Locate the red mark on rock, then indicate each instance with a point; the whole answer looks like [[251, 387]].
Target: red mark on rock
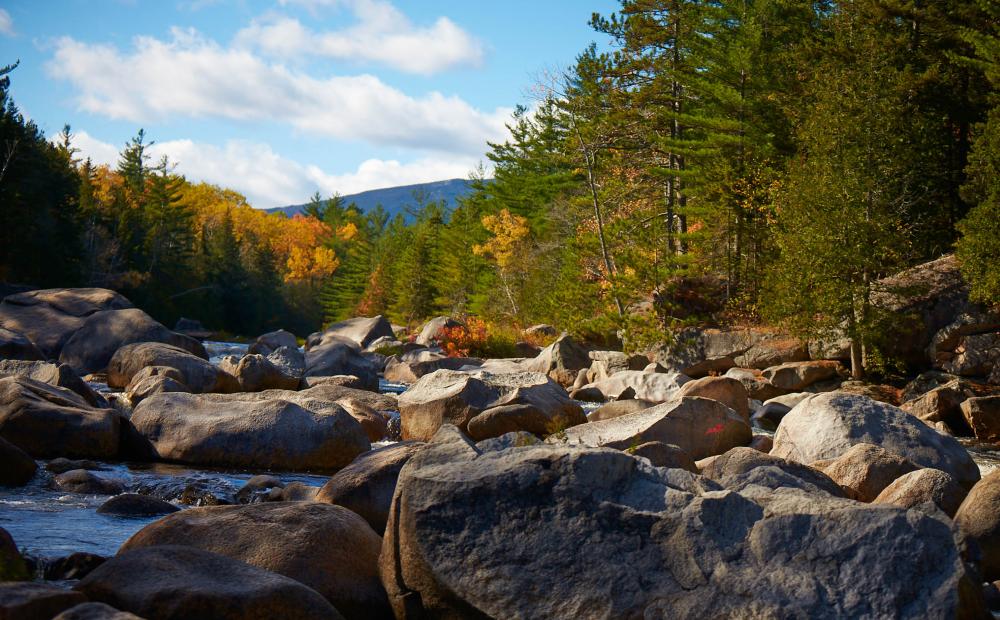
[[715, 429]]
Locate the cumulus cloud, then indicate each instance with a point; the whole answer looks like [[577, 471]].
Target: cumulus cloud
[[268, 179], [6, 24], [192, 76], [382, 35]]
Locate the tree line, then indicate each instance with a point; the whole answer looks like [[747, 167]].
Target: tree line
[[722, 161]]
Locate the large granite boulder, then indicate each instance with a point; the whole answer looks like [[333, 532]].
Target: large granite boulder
[[978, 518], [265, 344], [657, 387], [276, 429], [730, 469], [825, 426], [726, 390], [864, 470], [16, 467], [197, 373], [449, 397], [169, 582], [90, 348], [982, 414], [921, 486], [943, 404], [14, 346], [328, 548], [434, 329], [256, 373], [49, 317], [561, 360], [47, 421], [699, 352], [339, 358], [35, 601], [797, 376], [360, 332], [699, 426], [59, 375], [409, 367], [366, 485], [562, 532]]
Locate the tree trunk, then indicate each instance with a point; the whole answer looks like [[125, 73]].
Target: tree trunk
[[857, 359]]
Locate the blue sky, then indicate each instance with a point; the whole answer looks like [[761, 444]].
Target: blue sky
[[282, 98]]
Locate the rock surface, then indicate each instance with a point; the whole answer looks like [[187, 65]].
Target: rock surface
[[47, 421], [729, 470], [59, 375], [133, 505], [196, 373], [179, 582], [646, 542], [15, 346], [656, 387], [978, 518], [864, 470], [983, 416], [90, 347], [924, 485], [267, 343], [49, 317], [273, 430], [699, 426], [796, 376], [339, 358], [95, 611], [561, 360], [825, 426], [432, 330], [726, 390], [16, 467], [328, 548], [35, 601], [366, 485], [360, 332], [449, 397]]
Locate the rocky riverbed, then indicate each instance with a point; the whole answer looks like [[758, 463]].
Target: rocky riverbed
[[368, 475]]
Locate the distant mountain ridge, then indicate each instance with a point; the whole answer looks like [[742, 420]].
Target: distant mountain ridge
[[395, 199]]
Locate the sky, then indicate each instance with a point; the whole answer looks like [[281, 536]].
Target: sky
[[280, 99]]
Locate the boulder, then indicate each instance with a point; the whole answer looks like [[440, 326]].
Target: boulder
[[293, 492], [433, 330], [727, 391], [561, 360], [267, 343], [825, 426], [978, 518], [59, 375], [864, 471], [983, 416], [62, 465], [640, 541], [342, 380], [607, 363], [656, 387], [729, 469], [274, 429], [35, 601], [921, 486], [762, 443], [95, 611], [154, 380], [12, 565], [134, 505], [366, 485], [772, 351], [196, 373], [882, 393], [796, 376], [290, 361], [699, 426], [943, 404], [87, 483], [618, 408], [47, 421], [174, 582], [925, 382], [375, 424], [49, 317], [256, 373], [16, 467], [769, 415], [14, 346], [542, 330], [338, 358], [361, 332], [758, 388], [449, 397], [73, 566], [326, 547], [339, 393], [90, 348], [409, 367], [975, 356], [519, 439], [664, 455]]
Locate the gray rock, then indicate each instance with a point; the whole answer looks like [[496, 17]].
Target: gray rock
[[648, 542], [59, 375], [864, 470], [618, 408], [664, 455], [796, 376], [174, 582], [730, 471], [16, 467], [196, 373], [450, 397], [432, 330], [256, 373], [827, 425], [35, 601], [983, 416], [14, 346], [134, 505], [656, 387], [266, 430], [272, 341], [359, 332], [366, 485], [728, 391], [409, 367], [561, 360], [978, 518], [90, 348], [47, 421], [95, 611], [924, 485], [88, 483], [338, 358], [699, 426], [328, 548]]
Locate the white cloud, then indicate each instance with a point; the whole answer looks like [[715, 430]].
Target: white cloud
[[269, 180], [383, 35], [191, 76], [6, 24]]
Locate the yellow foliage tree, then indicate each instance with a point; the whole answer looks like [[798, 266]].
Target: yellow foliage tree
[[508, 248]]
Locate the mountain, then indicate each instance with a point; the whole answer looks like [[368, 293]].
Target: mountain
[[396, 199]]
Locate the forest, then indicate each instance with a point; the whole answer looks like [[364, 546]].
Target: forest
[[719, 162]]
